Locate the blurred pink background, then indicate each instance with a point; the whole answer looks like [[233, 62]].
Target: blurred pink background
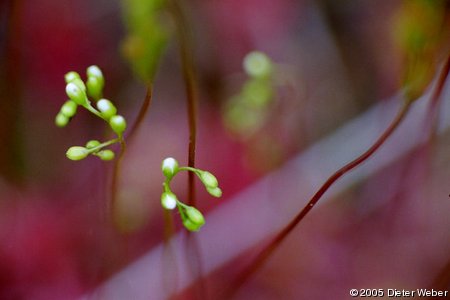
[[335, 60]]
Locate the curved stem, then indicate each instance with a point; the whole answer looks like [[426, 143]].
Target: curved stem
[[142, 112], [262, 257], [92, 109]]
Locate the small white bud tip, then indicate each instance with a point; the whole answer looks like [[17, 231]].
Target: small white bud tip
[[75, 93], [94, 71], [168, 201], [169, 167], [106, 108]]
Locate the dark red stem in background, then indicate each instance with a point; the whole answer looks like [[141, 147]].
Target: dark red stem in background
[[262, 257]]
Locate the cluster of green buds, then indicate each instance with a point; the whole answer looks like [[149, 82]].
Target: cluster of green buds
[[191, 217], [247, 111], [81, 94]]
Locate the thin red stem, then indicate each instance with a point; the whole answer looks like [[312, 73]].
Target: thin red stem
[[190, 88], [142, 113], [262, 257]]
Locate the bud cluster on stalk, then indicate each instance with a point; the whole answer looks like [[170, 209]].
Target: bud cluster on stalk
[[81, 94], [191, 217]]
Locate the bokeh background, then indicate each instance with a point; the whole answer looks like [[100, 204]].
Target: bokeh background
[[334, 60]]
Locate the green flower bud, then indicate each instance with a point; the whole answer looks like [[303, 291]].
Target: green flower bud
[[191, 226], [78, 82], [76, 94], [106, 108], [118, 124], [169, 167], [69, 109], [194, 215], [106, 154], [71, 76], [61, 120], [77, 153], [94, 87], [208, 179], [216, 192], [95, 72], [168, 200], [257, 64], [92, 144]]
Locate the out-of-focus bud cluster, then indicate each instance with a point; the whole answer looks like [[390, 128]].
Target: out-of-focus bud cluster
[[148, 34], [247, 111], [419, 32]]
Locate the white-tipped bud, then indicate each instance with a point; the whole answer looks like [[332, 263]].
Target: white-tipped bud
[[71, 76], [169, 167], [118, 124], [168, 200], [76, 94], [106, 108], [94, 71], [95, 82]]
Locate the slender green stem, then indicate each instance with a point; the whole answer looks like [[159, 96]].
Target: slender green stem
[[193, 170], [166, 186], [90, 108], [102, 145]]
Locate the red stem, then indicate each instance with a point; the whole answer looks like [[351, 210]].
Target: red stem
[[190, 88], [142, 113], [281, 236]]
